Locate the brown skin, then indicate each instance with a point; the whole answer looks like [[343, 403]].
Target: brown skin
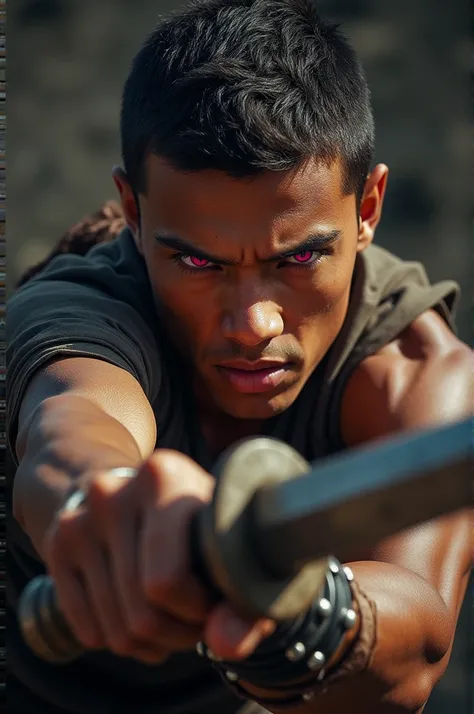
[[418, 578], [250, 309]]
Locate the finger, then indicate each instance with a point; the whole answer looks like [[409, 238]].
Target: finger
[[232, 637], [167, 634], [111, 569], [104, 598], [165, 572], [175, 488], [64, 548], [152, 656], [83, 607], [162, 572], [145, 624], [77, 609]]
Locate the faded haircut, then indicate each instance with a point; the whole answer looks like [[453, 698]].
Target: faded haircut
[[246, 86]]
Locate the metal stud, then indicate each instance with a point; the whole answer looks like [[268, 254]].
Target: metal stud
[[213, 657], [333, 566], [200, 649], [316, 661], [231, 676], [349, 573], [295, 652], [348, 617], [324, 607]]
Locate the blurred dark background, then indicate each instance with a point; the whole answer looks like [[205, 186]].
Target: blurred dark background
[[67, 60]]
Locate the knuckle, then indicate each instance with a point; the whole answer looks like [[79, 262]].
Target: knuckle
[[142, 624], [69, 526], [161, 478], [152, 476], [163, 466], [164, 460], [153, 658], [107, 502], [89, 640], [86, 635], [64, 538], [160, 590], [122, 644], [100, 491]]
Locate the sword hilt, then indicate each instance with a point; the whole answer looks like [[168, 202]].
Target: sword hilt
[[225, 557]]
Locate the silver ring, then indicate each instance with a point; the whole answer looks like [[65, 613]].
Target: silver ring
[[123, 472], [74, 501], [78, 497]]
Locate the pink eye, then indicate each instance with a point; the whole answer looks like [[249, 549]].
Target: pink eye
[[305, 257], [192, 261], [199, 262]]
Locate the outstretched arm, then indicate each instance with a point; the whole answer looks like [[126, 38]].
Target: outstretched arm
[[79, 417]]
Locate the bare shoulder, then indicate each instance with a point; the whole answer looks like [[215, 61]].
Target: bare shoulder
[[424, 377]]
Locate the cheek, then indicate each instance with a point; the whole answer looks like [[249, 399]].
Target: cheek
[[337, 281], [188, 317], [324, 308], [336, 295], [320, 329], [329, 294]]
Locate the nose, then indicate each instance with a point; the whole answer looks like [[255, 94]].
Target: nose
[[252, 324]]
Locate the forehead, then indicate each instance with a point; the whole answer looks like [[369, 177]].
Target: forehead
[[211, 203]]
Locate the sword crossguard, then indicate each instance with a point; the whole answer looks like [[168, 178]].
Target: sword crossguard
[[228, 533]]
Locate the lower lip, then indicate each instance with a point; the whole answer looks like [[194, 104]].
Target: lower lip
[[261, 380]]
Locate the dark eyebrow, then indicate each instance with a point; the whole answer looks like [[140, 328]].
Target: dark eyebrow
[[313, 242], [182, 246]]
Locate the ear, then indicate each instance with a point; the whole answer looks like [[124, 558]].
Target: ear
[[371, 205], [128, 201]]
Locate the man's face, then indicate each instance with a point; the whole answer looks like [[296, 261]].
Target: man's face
[[252, 276]]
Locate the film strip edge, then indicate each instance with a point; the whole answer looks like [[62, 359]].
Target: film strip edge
[[2, 349]]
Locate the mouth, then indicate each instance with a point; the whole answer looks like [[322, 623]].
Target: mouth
[[254, 377]]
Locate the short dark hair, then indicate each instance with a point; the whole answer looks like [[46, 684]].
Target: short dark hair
[[244, 86]]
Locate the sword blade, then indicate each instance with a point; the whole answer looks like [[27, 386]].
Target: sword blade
[[353, 501]]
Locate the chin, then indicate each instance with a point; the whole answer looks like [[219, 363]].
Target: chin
[[256, 406]]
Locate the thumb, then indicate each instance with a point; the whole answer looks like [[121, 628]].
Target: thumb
[[232, 637]]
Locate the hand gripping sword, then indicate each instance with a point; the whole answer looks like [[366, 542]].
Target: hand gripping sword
[[263, 542]]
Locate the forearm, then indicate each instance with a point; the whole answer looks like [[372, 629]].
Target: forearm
[[67, 440], [413, 636]]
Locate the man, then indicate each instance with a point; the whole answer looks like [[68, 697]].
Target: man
[[243, 298]]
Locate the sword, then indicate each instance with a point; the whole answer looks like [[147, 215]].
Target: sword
[[264, 541]]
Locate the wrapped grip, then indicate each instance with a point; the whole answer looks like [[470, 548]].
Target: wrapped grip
[[43, 625]]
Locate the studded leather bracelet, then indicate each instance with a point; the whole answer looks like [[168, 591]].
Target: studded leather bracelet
[[285, 662]]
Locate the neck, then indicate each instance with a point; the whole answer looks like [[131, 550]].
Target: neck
[[220, 429]]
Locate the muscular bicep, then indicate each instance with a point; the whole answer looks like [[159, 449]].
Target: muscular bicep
[[109, 387], [424, 378], [440, 551]]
